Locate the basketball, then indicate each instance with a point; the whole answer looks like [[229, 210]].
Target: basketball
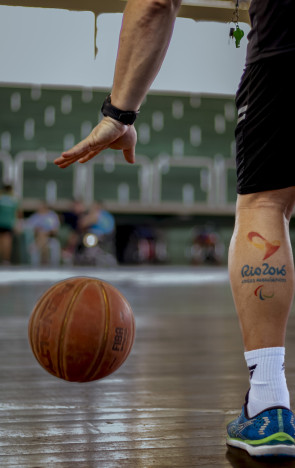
[[81, 329]]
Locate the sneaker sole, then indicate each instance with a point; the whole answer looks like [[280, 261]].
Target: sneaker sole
[[275, 447]]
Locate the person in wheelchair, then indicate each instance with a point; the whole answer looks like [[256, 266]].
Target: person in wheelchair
[[96, 245]]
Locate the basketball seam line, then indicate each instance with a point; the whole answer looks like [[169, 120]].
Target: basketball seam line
[[133, 327], [61, 340], [98, 361]]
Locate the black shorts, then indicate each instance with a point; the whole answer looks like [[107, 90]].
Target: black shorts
[[265, 131]]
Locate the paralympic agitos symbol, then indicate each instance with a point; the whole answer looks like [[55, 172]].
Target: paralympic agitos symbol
[[259, 293], [261, 243]]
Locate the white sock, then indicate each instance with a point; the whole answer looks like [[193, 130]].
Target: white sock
[[268, 385]]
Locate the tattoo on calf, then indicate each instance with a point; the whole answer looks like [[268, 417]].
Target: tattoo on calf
[[261, 243], [265, 273], [259, 292]]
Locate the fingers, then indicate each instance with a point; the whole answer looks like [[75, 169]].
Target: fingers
[[79, 149], [66, 160], [74, 154], [89, 156], [130, 143], [129, 155], [81, 153], [107, 134]]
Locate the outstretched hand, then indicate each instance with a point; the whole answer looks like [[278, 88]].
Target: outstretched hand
[[109, 133]]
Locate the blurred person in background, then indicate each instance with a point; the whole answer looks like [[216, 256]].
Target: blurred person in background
[[8, 218], [45, 246], [71, 220], [97, 228], [97, 220], [207, 247]]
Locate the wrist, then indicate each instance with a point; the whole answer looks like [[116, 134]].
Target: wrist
[[126, 117]]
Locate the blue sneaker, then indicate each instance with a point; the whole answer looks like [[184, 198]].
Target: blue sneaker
[[270, 432]]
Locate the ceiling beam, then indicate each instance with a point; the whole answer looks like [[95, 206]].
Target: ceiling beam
[[199, 10]]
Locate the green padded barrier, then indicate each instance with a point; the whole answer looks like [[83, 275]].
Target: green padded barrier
[[174, 185], [164, 118], [231, 186], [175, 124], [122, 180], [6, 167], [179, 125], [35, 181]]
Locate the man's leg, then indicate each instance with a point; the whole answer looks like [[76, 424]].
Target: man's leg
[[261, 266], [262, 280]]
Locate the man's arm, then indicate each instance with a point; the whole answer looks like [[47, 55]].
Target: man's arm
[[145, 36], [144, 39]]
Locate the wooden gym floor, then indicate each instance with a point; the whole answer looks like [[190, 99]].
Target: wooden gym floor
[[167, 406]]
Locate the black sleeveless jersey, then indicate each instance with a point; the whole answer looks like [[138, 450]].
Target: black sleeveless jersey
[[273, 29]]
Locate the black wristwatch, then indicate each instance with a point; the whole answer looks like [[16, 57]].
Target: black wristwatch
[[125, 117]]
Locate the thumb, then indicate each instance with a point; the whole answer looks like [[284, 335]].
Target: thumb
[[129, 155]]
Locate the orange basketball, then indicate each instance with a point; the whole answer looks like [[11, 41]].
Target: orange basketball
[[81, 329]]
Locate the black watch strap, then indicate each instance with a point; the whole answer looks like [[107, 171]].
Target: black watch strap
[[125, 117]]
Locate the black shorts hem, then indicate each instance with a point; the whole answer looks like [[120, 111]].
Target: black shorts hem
[[248, 189]]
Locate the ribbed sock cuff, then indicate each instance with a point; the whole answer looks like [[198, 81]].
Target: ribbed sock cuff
[[264, 352]]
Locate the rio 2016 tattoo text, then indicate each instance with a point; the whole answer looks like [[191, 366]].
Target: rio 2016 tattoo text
[[266, 273]]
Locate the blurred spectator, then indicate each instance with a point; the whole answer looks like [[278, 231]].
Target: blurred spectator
[[71, 224], [97, 240], [145, 245], [207, 247], [97, 221], [45, 248], [8, 217]]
